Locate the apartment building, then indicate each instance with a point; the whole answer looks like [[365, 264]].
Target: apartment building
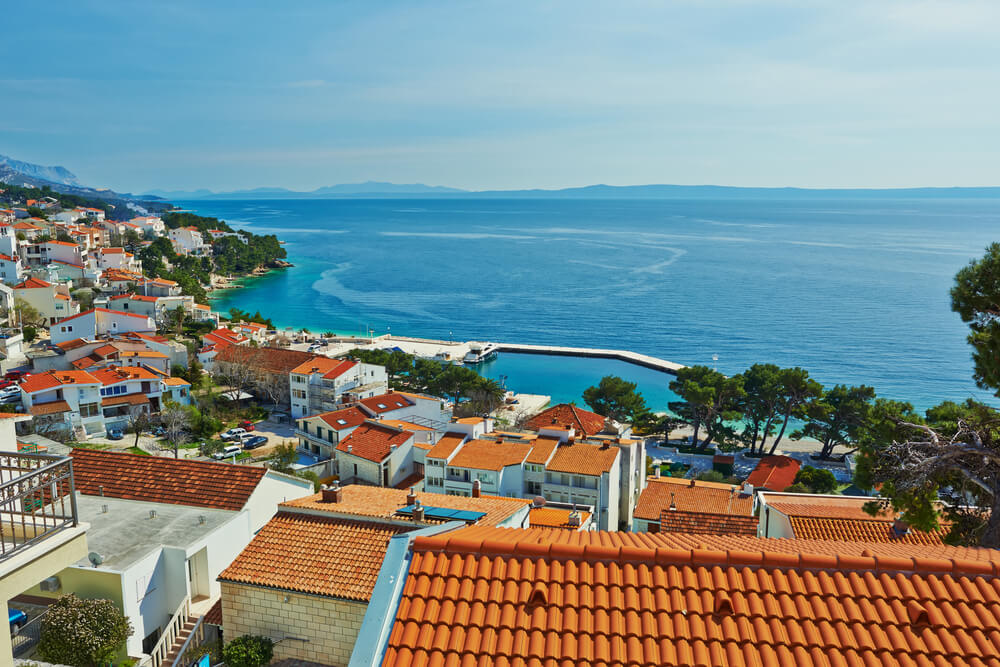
[[115, 258], [99, 322], [41, 254], [52, 302], [64, 401], [188, 241], [323, 384], [606, 474]]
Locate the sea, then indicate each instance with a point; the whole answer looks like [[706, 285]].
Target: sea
[[856, 291]]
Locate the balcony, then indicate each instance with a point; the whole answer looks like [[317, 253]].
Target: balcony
[[37, 499]]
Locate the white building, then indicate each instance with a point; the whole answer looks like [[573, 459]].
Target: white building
[[11, 269], [164, 529], [51, 301], [116, 258], [98, 322], [324, 384], [64, 401], [188, 241]]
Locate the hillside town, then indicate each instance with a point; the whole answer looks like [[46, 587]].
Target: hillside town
[[222, 486]]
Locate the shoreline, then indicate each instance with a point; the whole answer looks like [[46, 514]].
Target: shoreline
[[225, 283]]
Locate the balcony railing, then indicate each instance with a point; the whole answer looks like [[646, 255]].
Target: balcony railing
[[37, 499]]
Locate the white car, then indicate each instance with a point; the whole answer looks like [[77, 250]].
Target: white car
[[231, 450], [10, 395], [233, 434]]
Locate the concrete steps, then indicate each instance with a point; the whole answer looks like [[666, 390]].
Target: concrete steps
[[175, 650]]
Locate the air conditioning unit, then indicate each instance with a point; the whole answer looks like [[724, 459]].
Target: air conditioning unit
[[50, 585]]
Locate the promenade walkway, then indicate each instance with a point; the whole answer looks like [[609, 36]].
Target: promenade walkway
[[621, 355]]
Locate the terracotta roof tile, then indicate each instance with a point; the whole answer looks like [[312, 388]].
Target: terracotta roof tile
[[826, 517], [164, 480], [341, 419], [490, 455], [562, 415], [373, 441], [51, 408], [775, 473], [125, 399], [315, 554], [386, 402], [270, 359], [552, 517], [583, 459], [32, 283], [49, 379], [551, 597], [446, 445], [690, 495], [706, 523], [326, 366], [374, 501], [541, 450]]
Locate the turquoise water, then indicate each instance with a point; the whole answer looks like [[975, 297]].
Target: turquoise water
[[855, 291]]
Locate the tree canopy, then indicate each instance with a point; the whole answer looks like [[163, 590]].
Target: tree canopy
[[976, 298], [616, 399], [82, 632], [709, 400]]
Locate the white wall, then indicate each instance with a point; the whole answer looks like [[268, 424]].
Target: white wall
[[274, 488]]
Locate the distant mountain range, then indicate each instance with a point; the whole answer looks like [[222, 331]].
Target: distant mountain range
[[381, 190], [62, 180]]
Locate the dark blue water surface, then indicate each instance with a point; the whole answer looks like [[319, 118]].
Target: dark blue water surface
[[854, 291]]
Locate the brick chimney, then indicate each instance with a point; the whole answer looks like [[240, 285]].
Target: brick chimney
[[332, 494], [476, 489], [418, 511], [411, 497]]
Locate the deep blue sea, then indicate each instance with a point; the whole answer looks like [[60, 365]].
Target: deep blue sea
[[855, 291]]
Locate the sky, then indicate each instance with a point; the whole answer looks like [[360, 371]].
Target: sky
[[507, 94]]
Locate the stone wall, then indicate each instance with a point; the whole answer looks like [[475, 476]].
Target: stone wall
[[318, 629]]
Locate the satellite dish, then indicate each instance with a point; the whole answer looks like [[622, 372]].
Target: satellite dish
[[95, 558]]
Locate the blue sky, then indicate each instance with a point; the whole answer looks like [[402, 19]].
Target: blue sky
[[138, 95]]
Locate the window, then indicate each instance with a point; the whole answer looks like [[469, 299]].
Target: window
[[435, 481], [342, 422], [89, 409]]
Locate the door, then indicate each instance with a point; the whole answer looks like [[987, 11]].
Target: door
[[198, 580]]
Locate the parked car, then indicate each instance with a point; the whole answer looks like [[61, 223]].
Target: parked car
[[247, 425], [7, 383], [228, 451], [115, 434], [10, 395], [18, 619], [254, 441], [233, 434], [17, 375]]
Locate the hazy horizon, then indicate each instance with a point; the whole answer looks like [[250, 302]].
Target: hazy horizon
[[501, 96]]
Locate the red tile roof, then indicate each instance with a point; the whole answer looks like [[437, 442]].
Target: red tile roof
[[49, 379], [315, 554], [329, 368], [379, 502], [775, 473], [349, 416], [706, 523], [32, 283], [566, 415], [373, 441], [386, 402], [828, 517], [690, 495], [446, 445], [553, 517], [214, 615], [164, 480], [116, 374], [51, 408], [542, 449], [583, 459], [549, 597], [490, 455]]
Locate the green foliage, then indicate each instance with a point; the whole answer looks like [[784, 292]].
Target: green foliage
[[176, 219], [709, 400], [816, 480], [248, 651], [237, 315], [64, 237], [838, 417], [285, 455], [29, 333], [712, 476], [13, 193], [36, 212], [976, 298], [312, 477], [82, 632], [798, 488], [616, 399], [761, 404]]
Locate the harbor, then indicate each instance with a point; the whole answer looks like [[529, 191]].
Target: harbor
[[472, 352]]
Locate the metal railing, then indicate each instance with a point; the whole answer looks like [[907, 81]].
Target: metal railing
[[27, 636], [37, 498]]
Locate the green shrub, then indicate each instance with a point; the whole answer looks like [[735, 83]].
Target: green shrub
[[248, 651], [29, 333], [818, 480], [712, 476], [82, 632]]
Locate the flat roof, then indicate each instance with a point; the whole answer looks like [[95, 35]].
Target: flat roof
[[125, 533]]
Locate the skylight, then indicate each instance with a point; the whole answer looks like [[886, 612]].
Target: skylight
[[342, 422]]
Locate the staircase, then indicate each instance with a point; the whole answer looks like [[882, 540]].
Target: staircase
[[191, 627]]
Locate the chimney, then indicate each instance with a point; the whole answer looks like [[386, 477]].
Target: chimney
[[332, 494], [411, 497], [152, 514], [418, 511], [657, 470], [692, 483], [673, 505], [350, 449], [476, 489], [574, 518], [100, 490], [538, 501]]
